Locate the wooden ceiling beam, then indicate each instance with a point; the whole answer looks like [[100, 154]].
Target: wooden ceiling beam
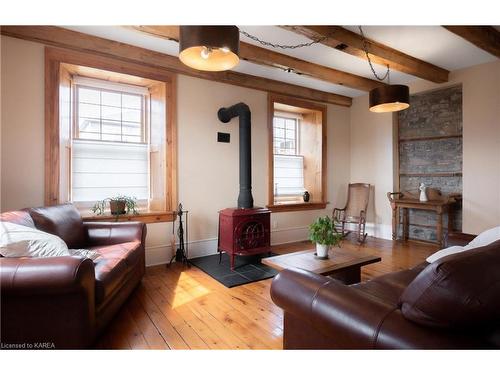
[[73, 40], [349, 42], [266, 57], [485, 37]]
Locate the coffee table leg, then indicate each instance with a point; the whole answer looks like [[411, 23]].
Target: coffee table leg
[[349, 276]]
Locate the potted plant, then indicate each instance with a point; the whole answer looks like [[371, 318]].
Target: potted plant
[[324, 234], [119, 205]]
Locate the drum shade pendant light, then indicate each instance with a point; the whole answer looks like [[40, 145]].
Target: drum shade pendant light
[[386, 98], [389, 98], [209, 48]]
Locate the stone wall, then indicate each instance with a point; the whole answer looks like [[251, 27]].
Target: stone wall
[[430, 151]]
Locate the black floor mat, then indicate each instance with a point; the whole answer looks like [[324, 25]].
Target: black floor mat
[[247, 269]]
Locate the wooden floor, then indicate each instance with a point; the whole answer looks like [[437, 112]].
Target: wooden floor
[[184, 308]]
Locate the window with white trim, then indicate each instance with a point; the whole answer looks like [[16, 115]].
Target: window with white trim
[[110, 144], [288, 163]]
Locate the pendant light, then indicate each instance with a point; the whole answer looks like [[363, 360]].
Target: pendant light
[[386, 98], [209, 48]]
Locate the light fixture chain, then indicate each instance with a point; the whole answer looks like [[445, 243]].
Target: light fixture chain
[[284, 46], [365, 48]]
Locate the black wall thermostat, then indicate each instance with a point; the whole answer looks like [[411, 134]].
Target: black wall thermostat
[[223, 137]]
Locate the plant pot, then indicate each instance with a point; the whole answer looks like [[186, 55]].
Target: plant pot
[[322, 250], [117, 207]]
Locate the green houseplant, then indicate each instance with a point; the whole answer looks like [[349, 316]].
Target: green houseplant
[[324, 234], [118, 205]]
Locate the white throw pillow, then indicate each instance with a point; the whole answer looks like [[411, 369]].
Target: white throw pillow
[[445, 252], [21, 241], [483, 239]]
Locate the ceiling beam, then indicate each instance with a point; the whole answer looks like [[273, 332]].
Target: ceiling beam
[[266, 57], [485, 37], [64, 38], [349, 42]]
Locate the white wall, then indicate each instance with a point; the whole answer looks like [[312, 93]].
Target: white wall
[[372, 154], [208, 170]]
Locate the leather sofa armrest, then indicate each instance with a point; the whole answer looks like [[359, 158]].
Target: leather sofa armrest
[[352, 318], [46, 276], [108, 233], [47, 301]]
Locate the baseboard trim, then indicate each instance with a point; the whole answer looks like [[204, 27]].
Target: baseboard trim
[[161, 254]]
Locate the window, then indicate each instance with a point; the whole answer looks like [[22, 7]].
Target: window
[[288, 163], [110, 131], [107, 115], [298, 149]]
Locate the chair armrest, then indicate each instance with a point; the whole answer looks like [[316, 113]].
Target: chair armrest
[[47, 300], [108, 233], [351, 317]]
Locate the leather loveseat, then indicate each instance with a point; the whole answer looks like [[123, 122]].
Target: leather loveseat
[[65, 302], [452, 303]]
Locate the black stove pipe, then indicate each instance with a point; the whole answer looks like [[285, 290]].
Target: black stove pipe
[[245, 199]]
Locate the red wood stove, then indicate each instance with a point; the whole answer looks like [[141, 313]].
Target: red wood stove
[[244, 231]]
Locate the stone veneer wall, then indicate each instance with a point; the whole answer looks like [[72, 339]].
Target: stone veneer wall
[[430, 151]]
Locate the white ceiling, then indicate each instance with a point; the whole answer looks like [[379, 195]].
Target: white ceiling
[[433, 44]]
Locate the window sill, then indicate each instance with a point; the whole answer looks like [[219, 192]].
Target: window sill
[[144, 217], [287, 207]]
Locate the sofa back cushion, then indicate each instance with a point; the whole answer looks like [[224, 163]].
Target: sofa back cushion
[[17, 217], [457, 291], [63, 220]]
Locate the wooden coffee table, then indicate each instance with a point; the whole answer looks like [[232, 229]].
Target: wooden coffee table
[[342, 264]]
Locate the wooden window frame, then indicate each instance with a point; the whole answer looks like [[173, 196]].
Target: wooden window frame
[[275, 98], [54, 57]]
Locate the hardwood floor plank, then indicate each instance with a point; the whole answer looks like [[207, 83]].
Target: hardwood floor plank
[[184, 308], [167, 331]]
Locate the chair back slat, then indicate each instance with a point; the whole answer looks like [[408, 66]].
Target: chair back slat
[[357, 199]]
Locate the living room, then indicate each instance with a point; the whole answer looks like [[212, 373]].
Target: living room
[[250, 187]]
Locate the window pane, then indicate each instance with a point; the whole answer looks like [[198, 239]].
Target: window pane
[[132, 128], [290, 134], [111, 137], [89, 110], [290, 124], [279, 132], [111, 127], [129, 138], [111, 98], [278, 121], [133, 115], [111, 113], [89, 125], [85, 135], [89, 95], [131, 101]]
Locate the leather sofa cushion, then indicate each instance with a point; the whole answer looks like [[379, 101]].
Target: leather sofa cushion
[[113, 266], [18, 217], [388, 288], [62, 220], [457, 291]]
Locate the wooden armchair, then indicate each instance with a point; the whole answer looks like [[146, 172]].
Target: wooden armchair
[[354, 211]]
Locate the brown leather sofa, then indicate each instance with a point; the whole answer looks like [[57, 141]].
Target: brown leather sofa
[[65, 302], [453, 303]]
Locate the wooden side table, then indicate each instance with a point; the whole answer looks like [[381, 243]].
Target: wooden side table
[[439, 206]]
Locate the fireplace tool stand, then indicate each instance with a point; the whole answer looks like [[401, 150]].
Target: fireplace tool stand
[[181, 253]]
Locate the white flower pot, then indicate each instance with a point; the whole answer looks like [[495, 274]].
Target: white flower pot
[[322, 250]]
